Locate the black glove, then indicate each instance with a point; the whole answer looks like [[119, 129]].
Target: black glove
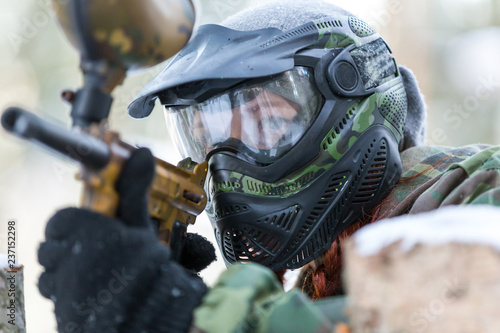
[[197, 252], [113, 275]]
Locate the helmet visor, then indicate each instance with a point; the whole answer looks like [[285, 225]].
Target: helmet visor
[[261, 118]]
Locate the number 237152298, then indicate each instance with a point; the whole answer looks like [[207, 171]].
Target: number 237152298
[[11, 245]]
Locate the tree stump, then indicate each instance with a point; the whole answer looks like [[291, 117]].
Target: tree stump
[[12, 315], [432, 272]]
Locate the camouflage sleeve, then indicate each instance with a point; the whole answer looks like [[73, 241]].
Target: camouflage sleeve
[[249, 298], [439, 176], [475, 180]]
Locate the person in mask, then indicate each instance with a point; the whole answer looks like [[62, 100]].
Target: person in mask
[[311, 130]]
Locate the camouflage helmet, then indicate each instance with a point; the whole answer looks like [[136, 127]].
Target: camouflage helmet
[[283, 205], [129, 34]]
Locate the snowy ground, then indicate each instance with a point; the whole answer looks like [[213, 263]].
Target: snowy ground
[[458, 224]]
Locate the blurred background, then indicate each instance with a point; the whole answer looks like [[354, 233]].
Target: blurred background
[[453, 46]]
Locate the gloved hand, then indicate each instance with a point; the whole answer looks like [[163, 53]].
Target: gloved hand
[[197, 252], [113, 275]]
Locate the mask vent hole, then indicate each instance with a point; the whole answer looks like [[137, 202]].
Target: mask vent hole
[[350, 112], [257, 243], [370, 184], [229, 210], [329, 24], [290, 34], [360, 28], [228, 247], [322, 234], [393, 107], [330, 138], [282, 220]]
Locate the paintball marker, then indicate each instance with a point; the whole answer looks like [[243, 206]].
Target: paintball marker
[[114, 37]]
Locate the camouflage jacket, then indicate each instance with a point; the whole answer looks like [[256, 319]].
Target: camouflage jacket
[[248, 298]]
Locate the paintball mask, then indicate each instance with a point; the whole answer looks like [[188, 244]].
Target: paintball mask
[[300, 128]]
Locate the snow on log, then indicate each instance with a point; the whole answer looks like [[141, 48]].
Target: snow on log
[[431, 272], [12, 315]]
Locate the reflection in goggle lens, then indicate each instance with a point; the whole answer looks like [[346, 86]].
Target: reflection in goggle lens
[[266, 117]]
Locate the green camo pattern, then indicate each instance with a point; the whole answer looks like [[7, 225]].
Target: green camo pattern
[[466, 175], [248, 298], [337, 40]]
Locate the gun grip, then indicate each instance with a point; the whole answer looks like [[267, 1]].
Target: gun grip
[[177, 240]]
